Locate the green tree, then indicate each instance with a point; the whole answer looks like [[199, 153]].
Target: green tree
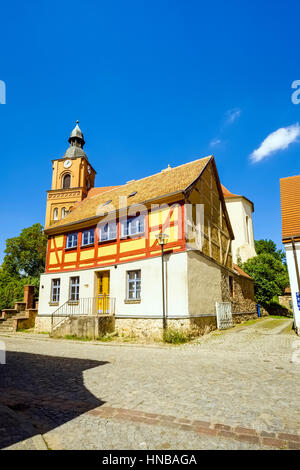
[[23, 263], [268, 246], [268, 270], [25, 254]]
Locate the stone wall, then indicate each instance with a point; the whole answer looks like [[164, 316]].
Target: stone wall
[[242, 294], [42, 324], [84, 326], [27, 320], [286, 301], [152, 327]]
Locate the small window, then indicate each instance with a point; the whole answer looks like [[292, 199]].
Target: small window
[[108, 231], [107, 202], [63, 213], [55, 290], [55, 214], [74, 289], [133, 226], [132, 194], [134, 285], [247, 229], [72, 240], [66, 181], [88, 237], [230, 282]]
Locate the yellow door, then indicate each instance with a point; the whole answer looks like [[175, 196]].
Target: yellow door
[[103, 292]]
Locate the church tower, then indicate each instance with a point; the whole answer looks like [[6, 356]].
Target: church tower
[[72, 178]]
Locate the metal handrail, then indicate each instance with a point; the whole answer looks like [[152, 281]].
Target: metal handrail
[[102, 304]]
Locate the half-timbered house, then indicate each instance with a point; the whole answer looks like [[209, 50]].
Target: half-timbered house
[[103, 253]]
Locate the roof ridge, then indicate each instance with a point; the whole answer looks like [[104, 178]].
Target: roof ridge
[[158, 184], [154, 174]]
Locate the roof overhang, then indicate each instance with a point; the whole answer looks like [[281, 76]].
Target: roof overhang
[[168, 198], [237, 198]]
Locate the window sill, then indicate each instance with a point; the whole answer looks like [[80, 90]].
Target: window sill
[[132, 301], [73, 302], [88, 245], [107, 241], [134, 236], [52, 304], [74, 248]]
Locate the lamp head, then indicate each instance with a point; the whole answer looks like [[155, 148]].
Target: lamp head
[[162, 238]]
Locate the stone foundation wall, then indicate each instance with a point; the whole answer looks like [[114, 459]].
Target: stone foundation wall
[[42, 324], [82, 326], [242, 295], [152, 327], [240, 317]]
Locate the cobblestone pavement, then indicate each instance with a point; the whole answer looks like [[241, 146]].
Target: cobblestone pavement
[[237, 389]]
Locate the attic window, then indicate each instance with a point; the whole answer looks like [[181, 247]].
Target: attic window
[[132, 194], [107, 202]]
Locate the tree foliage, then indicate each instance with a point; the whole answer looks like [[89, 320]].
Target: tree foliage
[[268, 246], [23, 263], [268, 270]]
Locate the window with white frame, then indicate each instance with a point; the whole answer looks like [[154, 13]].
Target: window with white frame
[[74, 289], [108, 231], [72, 240], [55, 290], [88, 237], [55, 214], [134, 285], [63, 213], [134, 226]]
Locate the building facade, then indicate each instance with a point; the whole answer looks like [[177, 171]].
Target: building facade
[[290, 212], [240, 210], [103, 255]]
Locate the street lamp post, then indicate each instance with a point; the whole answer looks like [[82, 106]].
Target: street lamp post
[[162, 239]]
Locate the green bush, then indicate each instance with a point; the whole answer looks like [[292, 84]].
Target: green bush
[[175, 336]]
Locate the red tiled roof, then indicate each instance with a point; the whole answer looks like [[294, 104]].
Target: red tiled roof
[[290, 206], [227, 193], [166, 182], [93, 191], [240, 271]]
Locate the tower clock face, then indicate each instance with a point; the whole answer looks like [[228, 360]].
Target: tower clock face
[[67, 163]]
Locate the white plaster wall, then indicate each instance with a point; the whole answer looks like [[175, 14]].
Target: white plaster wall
[[238, 209], [293, 278], [176, 289], [86, 288]]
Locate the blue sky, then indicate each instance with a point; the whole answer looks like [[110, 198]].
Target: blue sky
[[152, 83]]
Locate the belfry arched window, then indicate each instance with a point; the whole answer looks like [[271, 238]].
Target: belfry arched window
[[66, 182], [63, 213], [55, 214]]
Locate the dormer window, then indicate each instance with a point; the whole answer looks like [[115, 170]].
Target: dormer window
[[66, 183], [134, 226]]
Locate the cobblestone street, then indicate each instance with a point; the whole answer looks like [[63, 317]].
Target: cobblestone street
[[237, 389]]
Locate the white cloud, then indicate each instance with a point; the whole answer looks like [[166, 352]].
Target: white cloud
[[231, 115], [215, 142], [277, 140]]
